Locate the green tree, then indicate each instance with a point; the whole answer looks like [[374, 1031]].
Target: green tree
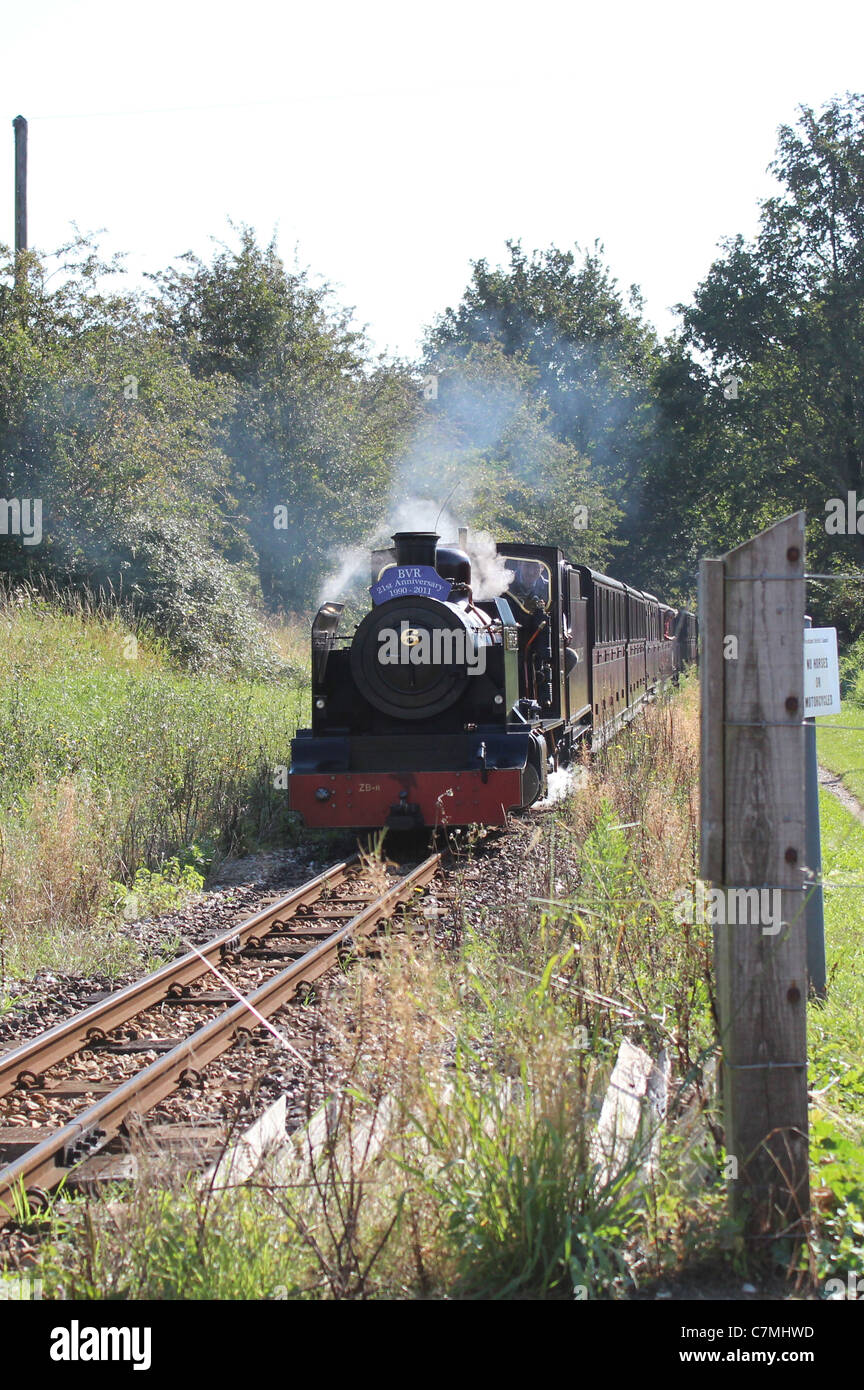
[[490, 440], [315, 425], [591, 356], [784, 316], [102, 421]]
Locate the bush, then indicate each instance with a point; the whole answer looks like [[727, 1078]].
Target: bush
[[156, 890], [190, 596]]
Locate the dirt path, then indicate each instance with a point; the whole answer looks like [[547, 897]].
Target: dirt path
[[833, 783]]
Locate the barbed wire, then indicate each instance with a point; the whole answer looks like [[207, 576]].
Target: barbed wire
[[840, 576]]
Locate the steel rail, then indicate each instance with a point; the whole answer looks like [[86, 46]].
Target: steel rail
[[25, 1064], [43, 1166]]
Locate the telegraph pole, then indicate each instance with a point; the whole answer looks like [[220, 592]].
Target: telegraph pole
[[20, 127]]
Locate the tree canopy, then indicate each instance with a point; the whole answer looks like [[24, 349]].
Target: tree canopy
[[213, 448]]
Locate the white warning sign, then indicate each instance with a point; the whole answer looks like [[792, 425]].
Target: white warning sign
[[821, 672]]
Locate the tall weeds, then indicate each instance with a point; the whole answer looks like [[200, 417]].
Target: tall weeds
[[114, 760]]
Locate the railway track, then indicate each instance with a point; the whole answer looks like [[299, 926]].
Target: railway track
[[311, 929]]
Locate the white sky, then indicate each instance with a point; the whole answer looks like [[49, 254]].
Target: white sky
[[393, 142]]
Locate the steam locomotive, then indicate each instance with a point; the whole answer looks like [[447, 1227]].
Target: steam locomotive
[[443, 710]]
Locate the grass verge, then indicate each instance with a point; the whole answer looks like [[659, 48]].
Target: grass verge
[[121, 778], [836, 1071], [841, 750]]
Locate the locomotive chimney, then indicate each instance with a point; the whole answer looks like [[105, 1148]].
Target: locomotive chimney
[[416, 547]]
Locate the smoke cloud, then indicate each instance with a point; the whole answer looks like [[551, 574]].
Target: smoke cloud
[[490, 577], [435, 483]]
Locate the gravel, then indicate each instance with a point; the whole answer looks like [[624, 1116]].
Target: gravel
[[243, 887]]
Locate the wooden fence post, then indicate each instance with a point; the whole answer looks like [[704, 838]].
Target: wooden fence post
[[711, 678], [753, 706]]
